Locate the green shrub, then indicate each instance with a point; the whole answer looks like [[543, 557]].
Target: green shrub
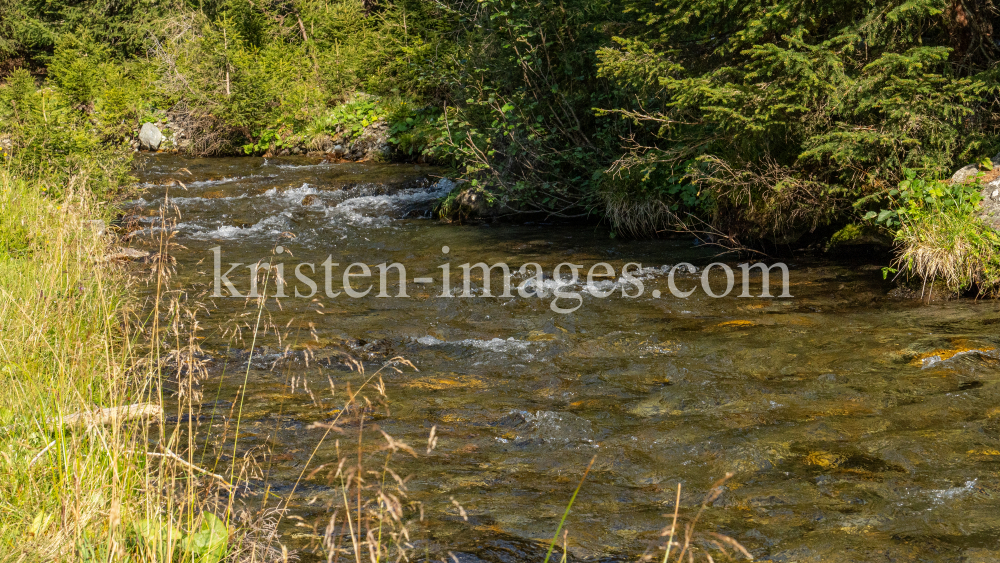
[[52, 138]]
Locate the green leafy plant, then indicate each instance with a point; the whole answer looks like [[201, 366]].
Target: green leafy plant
[[939, 233], [161, 541], [268, 140], [917, 197], [348, 120]]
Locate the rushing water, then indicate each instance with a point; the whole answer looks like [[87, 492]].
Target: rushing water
[[849, 439]]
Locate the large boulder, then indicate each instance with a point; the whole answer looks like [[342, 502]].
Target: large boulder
[[150, 137], [991, 188]]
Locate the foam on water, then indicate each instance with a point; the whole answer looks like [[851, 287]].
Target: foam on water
[[494, 345], [295, 166], [275, 224], [375, 210], [184, 201], [224, 180], [293, 195], [941, 495]]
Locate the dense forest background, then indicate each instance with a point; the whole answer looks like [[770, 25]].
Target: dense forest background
[[754, 122]]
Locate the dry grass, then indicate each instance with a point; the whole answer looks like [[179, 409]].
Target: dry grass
[[638, 217], [960, 251]]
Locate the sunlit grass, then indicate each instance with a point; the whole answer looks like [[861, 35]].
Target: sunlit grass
[[957, 249], [78, 479], [66, 489]]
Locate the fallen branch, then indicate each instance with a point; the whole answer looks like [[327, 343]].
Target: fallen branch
[[113, 415], [171, 455], [41, 453]]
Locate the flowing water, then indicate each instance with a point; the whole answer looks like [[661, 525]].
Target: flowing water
[[858, 427]]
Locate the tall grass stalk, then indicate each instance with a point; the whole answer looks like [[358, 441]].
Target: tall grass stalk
[[566, 513]]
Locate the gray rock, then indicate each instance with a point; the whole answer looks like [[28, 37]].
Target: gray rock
[[991, 203], [373, 144], [967, 173], [150, 137]]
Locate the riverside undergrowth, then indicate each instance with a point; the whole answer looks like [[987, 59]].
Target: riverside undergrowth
[[646, 115], [941, 234], [88, 465]]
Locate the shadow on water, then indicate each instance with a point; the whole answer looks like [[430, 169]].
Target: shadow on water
[[858, 427]]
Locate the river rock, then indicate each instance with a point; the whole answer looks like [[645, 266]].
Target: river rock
[[547, 427], [991, 189], [472, 203], [150, 137], [372, 144]]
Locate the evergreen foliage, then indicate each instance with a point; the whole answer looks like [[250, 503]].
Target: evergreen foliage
[[754, 121], [788, 113]]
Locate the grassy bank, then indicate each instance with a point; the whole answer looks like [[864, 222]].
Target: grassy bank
[[88, 474], [68, 489]]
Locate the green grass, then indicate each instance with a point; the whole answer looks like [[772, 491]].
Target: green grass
[[955, 248], [73, 489], [65, 491]]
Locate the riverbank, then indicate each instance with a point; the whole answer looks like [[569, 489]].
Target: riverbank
[[72, 489], [88, 458]]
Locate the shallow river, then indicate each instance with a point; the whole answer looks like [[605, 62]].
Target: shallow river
[[858, 427]]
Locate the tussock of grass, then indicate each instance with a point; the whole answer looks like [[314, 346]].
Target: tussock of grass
[[638, 217], [958, 249]]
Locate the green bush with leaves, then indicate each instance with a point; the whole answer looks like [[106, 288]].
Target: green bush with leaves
[[918, 197], [348, 119]]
